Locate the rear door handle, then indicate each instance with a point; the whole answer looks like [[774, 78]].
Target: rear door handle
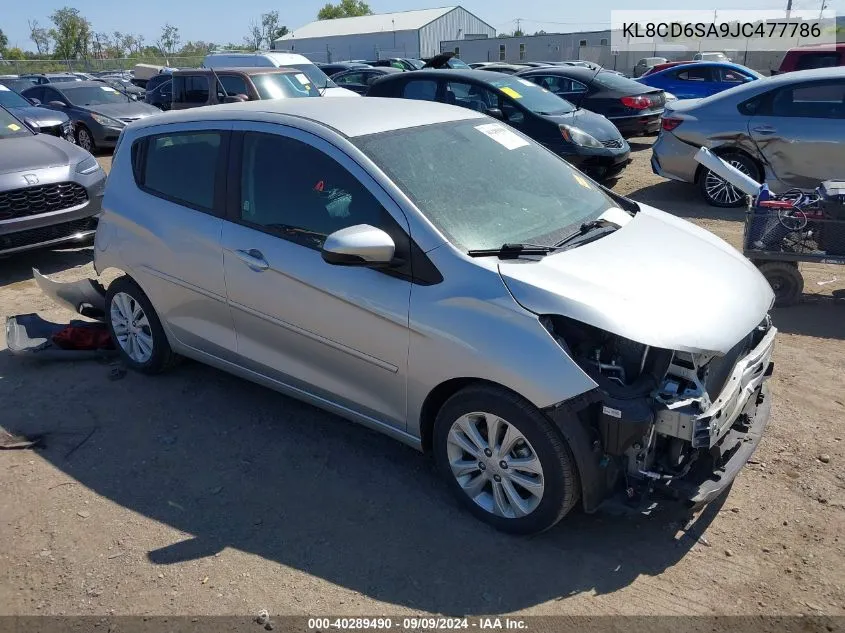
[[764, 129], [253, 259]]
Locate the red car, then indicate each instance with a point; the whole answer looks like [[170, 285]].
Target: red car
[[807, 57]]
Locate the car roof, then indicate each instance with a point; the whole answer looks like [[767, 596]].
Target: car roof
[[579, 72], [246, 70], [350, 117], [486, 76]]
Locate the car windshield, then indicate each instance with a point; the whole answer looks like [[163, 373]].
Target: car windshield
[[320, 79], [416, 63], [11, 99], [94, 95], [281, 86], [483, 185], [10, 127], [533, 97]]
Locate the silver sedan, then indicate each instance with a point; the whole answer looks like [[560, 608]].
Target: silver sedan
[[431, 273], [787, 131]]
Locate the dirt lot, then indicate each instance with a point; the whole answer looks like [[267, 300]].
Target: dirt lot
[[198, 493]]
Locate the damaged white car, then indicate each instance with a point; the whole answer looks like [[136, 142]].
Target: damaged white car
[[431, 273]]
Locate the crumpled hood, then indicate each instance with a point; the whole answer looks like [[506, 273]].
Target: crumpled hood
[[31, 153], [42, 117], [593, 124], [658, 280]]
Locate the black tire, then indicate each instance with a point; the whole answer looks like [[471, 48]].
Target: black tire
[[81, 130], [741, 161], [560, 476], [786, 282], [162, 356]]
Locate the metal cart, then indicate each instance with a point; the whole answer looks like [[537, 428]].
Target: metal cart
[[796, 226]]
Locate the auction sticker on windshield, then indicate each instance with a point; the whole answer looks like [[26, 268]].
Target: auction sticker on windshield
[[303, 79], [511, 92], [501, 135], [107, 89]]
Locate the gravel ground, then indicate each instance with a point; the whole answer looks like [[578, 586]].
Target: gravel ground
[[198, 493]]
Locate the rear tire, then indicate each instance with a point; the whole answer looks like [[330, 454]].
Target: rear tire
[[717, 192], [523, 480], [786, 282], [136, 329]]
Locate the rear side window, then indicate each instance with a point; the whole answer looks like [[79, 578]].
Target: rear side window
[[694, 74], [821, 100], [190, 89], [182, 167], [422, 90], [817, 60]]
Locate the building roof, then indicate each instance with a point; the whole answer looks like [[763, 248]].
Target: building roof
[[399, 21], [350, 117]]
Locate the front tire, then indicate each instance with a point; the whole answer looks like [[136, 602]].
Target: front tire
[[505, 461], [136, 329], [85, 139], [719, 193]]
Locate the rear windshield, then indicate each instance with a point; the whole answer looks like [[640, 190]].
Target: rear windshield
[[93, 95], [281, 86], [612, 81], [11, 127], [317, 76], [532, 96]]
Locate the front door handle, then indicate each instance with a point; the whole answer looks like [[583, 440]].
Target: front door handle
[[253, 259], [764, 129]]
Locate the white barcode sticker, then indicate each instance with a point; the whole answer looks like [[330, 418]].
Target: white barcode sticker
[[303, 79], [502, 135], [615, 413]]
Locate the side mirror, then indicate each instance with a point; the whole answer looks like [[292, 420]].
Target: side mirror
[[57, 104], [34, 101], [359, 245], [495, 113], [33, 127]]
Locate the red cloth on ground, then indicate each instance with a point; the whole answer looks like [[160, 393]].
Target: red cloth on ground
[[75, 337]]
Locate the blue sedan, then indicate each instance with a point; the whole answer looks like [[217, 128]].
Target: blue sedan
[[699, 79]]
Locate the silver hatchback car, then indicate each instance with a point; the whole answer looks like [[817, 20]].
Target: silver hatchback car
[[431, 273]]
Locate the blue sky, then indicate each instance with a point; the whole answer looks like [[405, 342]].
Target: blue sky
[[221, 21]]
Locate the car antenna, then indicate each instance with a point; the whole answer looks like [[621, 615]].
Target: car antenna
[[220, 83]]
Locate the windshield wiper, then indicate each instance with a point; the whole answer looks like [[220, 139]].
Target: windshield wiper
[[593, 229], [510, 251]]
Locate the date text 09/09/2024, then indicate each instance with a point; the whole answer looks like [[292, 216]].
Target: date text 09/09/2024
[[722, 30], [417, 624]]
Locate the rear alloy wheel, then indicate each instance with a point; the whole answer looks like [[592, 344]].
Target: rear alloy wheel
[[505, 461], [720, 193], [786, 282], [135, 328], [85, 140]]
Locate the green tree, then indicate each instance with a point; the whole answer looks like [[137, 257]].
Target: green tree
[[14, 53], [40, 37], [344, 9], [196, 49], [168, 41], [263, 31], [4, 41], [71, 33], [281, 32]]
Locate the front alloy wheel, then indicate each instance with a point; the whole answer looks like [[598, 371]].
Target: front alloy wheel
[[505, 461], [495, 465], [718, 192]]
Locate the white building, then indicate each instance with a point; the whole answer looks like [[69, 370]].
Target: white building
[[403, 34]]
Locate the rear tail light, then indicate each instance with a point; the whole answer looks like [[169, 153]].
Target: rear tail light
[[669, 124], [639, 102]]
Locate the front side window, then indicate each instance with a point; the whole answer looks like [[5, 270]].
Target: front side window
[[350, 78], [181, 167], [233, 85], [310, 198], [483, 185], [821, 100], [423, 90]]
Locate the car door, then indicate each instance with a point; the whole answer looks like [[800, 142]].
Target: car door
[[570, 89], [177, 218], [693, 82], [800, 131], [339, 333]]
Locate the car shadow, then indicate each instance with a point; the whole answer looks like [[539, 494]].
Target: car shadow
[[18, 267], [236, 465], [685, 201], [820, 317], [638, 146]]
